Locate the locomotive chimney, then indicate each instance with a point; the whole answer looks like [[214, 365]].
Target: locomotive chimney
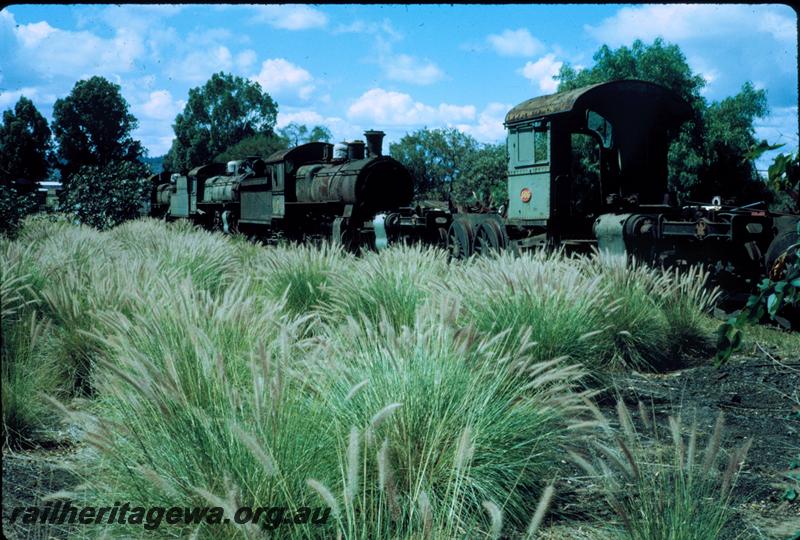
[[374, 142], [355, 150]]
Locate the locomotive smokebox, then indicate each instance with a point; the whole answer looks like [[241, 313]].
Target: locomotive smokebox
[[355, 150], [374, 142]]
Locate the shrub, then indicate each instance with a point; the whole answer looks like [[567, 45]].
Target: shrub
[[104, 196], [14, 206]]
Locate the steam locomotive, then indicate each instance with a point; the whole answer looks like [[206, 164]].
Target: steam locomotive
[[364, 199], [305, 193]]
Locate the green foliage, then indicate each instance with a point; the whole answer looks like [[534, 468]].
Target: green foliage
[[447, 162], [219, 114], [297, 134], [14, 206], [24, 144], [483, 180], [435, 158], [103, 196], [260, 145], [783, 176], [710, 154], [729, 136], [772, 295], [782, 288], [93, 126]]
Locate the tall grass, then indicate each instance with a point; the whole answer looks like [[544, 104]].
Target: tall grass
[[28, 368], [661, 483], [28, 373], [300, 274], [437, 423], [418, 398], [391, 285], [560, 308]]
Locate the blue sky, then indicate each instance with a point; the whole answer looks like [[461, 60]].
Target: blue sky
[[391, 67]]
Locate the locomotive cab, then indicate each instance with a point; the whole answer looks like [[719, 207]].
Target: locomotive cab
[[619, 200], [628, 123]]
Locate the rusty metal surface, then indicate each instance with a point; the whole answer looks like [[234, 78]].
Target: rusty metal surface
[[547, 105], [565, 102]]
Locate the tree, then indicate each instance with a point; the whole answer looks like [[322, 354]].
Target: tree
[[260, 145], [104, 196], [25, 154], [483, 179], [703, 160], [436, 159], [297, 134], [221, 113], [25, 144], [729, 138], [14, 206], [93, 126]]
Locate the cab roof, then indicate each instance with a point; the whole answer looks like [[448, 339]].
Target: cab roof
[[613, 94]]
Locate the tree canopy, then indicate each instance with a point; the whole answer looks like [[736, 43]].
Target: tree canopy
[[221, 113], [260, 145], [447, 163], [710, 155], [297, 134], [93, 126], [25, 144], [435, 158]]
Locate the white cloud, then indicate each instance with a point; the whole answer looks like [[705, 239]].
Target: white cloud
[[52, 51], [10, 98], [489, 128], [290, 17], [383, 28], [542, 71], [309, 118], [781, 27], [676, 22], [161, 106], [198, 66], [280, 77], [384, 107], [32, 34], [702, 67], [246, 59], [405, 68], [515, 43]]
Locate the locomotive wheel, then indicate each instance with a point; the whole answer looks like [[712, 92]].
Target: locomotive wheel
[[460, 239], [779, 247], [489, 238]]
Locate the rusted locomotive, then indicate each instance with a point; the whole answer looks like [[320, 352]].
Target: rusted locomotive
[[304, 193], [364, 199]]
